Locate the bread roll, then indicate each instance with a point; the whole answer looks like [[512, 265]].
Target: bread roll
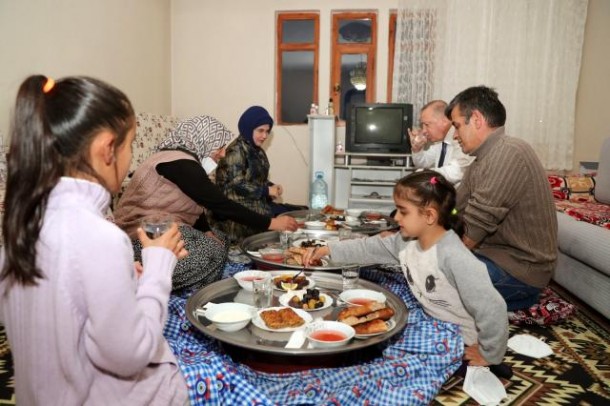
[[371, 327], [359, 311]]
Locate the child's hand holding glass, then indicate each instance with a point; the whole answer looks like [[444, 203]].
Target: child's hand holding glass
[[170, 239]]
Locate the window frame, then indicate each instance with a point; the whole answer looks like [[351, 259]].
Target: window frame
[[392, 22], [337, 50], [282, 47]]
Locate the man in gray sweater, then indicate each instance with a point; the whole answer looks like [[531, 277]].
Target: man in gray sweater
[[504, 199]]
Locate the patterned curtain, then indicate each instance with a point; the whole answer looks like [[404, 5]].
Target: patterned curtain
[[529, 51]]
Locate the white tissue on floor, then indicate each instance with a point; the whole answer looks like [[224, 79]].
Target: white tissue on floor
[[483, 386], [529, 345]]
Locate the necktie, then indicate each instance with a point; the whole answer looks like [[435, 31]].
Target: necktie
[[441, 160]]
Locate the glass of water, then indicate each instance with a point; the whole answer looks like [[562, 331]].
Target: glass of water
[[155, 225], [262, 291], [285, 239], [350, 275]]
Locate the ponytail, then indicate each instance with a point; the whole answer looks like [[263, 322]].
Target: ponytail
[[33, 170]]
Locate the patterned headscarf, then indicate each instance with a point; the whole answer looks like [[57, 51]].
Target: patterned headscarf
[[252, 118], [199, 135]]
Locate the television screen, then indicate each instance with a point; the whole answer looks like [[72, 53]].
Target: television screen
[[378, 128]]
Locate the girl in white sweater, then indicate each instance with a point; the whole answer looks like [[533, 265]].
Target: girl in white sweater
[[85, 326]]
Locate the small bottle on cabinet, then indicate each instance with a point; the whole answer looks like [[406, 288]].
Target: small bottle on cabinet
[[330, 110]]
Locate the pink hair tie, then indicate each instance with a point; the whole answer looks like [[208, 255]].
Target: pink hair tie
[[433, 180]]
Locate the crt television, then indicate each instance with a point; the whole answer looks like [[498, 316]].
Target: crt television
[[379, 128]]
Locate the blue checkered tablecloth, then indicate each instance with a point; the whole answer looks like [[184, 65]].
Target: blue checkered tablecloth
[[413, 366]]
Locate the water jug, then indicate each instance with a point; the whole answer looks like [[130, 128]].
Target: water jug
[[319, 192]]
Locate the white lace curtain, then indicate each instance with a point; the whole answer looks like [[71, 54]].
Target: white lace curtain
[[529, 51]]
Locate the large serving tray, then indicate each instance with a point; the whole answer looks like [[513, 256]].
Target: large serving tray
[[254, 338], [272, 238], [364, 228]]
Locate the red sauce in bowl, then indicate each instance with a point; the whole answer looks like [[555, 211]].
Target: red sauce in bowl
[[251, 278], [360, 301], [328, 335], [274, 257]]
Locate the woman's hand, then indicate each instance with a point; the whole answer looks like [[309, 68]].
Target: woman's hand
[[283, 223], [275, 191], [474, 357], [212, 235], [313, 254], [171, 239]]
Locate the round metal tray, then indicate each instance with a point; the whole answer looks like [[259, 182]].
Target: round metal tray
[[272, 238], [365, 228], [254, 338]]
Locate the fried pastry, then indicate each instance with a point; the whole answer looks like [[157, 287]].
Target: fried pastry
[[371, 327], [283, 318]]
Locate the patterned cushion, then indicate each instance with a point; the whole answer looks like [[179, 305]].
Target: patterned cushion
[[151, 129], [576, 188]]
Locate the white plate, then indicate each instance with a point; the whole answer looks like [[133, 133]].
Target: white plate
[[285, 299], [259, 322], [323, 242], [315, 225], [390, 323], [255, 254], [275, 274], [348, 295]]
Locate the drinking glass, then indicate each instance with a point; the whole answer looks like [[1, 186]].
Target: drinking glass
[[262, 291], [350, 275], [155, 225], [284, 239], [345, 233]]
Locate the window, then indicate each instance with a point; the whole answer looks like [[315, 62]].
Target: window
[[354, 46], [391, 47], [297, 66]]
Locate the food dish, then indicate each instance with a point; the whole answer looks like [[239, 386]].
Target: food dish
[[245, 278], [361, 296], [311, 242], [285, 300], [315, 225], [329, 334], [275, 274], [391, 324], [258, 321], [228, 317]]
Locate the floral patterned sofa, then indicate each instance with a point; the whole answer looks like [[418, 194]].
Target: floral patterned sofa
[[583, 215], [150, 131]]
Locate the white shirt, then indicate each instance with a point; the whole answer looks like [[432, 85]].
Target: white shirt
[[455, 159]]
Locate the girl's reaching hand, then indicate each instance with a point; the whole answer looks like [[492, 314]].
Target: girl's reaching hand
[[171, 239], [313, 254]]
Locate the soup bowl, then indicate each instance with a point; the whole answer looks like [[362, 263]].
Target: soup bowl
[[329, 334], [228, 316], [361, 297], [245, 278]]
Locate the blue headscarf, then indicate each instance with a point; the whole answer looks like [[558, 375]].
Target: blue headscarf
[[252, 118]]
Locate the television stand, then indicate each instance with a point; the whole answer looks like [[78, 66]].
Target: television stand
[[367, 180]]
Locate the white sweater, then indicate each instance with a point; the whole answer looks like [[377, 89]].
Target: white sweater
[[90, 332]]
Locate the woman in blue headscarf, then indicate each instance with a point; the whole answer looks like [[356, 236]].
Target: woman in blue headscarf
[[243, 174]]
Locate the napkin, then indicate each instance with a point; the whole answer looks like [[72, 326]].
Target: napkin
[[297, 339], [483, 386], [529, 345]]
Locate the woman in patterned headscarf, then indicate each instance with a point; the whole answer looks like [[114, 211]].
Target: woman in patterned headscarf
[[244, 173], [174, 181]]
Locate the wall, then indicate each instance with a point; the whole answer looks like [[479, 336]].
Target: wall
[[592, 125], [126, 43], [223, 61]]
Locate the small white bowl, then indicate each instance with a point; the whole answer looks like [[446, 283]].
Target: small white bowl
[[359, 297], [315, 225], [228, 316], [245, 278], [354, 212], [329, 334]]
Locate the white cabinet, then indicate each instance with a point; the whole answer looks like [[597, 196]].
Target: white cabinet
[[367, 180]]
